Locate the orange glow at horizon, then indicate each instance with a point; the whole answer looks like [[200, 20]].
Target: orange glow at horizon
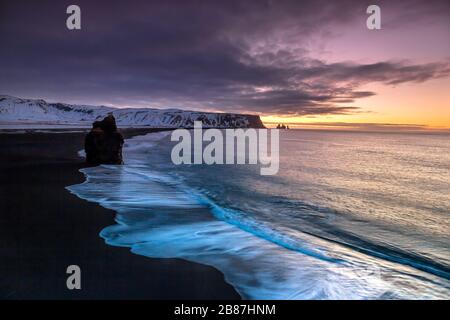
[[424, 104]]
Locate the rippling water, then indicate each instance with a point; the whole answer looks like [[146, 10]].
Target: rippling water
[[349, 215]]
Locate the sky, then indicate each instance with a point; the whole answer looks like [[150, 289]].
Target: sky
[[307, 63]]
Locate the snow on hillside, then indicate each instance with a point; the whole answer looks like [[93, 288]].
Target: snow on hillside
[[31, 112]]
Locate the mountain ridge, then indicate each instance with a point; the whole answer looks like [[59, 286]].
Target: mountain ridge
[[14, 110]]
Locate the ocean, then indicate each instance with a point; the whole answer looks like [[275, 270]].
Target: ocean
[[350, 215]]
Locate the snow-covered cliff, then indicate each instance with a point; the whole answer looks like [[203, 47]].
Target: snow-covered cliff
[[19, 111]]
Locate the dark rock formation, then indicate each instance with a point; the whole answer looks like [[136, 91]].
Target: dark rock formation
[[254, 121], [282, 126], [103, 144]]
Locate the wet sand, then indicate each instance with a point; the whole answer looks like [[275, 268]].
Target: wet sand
[[44, 229]]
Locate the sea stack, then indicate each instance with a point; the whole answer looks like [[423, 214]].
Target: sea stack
[[103, 144]]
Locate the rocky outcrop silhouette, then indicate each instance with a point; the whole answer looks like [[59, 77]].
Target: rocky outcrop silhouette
[[282, 126], [103, 144]]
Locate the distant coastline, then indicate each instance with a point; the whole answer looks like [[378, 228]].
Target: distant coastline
[[37, 113]]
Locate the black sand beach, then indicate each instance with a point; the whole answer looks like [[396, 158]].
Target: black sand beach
[[44, 229]]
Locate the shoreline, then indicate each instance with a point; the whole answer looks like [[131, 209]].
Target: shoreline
[[47, 228]]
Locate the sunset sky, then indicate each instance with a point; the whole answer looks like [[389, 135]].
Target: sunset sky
[[308, 62]]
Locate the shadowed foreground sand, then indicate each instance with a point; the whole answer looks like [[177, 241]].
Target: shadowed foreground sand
[[44, 229]]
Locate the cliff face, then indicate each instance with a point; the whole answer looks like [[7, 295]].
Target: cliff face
[[254, 121], [16, 110]]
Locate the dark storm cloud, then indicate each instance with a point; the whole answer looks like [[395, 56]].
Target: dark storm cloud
[[218, 55]]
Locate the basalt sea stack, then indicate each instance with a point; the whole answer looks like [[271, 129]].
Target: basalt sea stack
[[103, 144]]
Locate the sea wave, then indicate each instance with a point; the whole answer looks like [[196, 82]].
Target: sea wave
[[159, 216]]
